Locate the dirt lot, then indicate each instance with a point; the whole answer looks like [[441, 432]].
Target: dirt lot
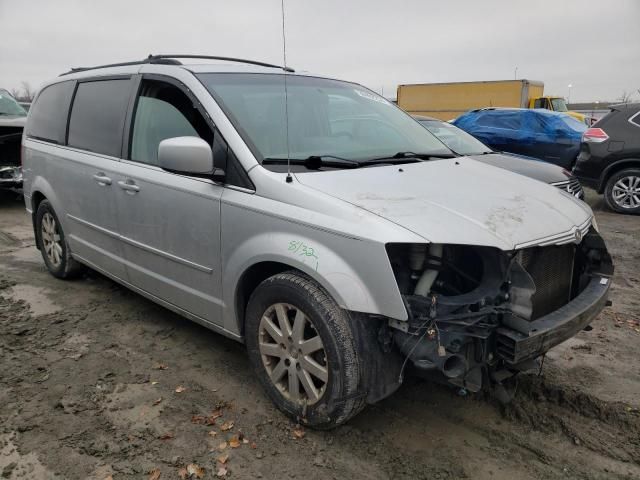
[[97, 382]]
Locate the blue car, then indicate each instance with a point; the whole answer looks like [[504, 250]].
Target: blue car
[[550, 136]]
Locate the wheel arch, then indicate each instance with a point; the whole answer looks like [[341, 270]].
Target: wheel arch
[[615, 168]]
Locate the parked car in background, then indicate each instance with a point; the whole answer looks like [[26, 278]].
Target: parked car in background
[[609, 159], [549, 136], [462, 143], [12, 121], [314, 220]]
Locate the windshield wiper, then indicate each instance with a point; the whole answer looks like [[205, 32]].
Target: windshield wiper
[[406, 157], [314, 162]]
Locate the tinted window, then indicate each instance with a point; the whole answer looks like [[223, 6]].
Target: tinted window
[[164, 111], [97, 116], [48, 118], [635, 119]]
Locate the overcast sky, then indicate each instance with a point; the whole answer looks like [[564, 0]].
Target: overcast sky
[[594, 45]]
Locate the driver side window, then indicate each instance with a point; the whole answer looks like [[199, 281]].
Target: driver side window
[[164, 111]]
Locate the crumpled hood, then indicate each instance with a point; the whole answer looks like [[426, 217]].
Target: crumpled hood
[[457, 201]]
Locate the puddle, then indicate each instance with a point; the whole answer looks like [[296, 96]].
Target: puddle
[[38, 301], [13, 465]]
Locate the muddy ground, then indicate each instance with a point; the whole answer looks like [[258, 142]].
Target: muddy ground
[[97, 382]]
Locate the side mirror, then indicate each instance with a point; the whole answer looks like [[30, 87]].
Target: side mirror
[[186, 155]]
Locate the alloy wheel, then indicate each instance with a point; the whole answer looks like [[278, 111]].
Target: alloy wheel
[[293, 353], [51, 241], [626, 192]]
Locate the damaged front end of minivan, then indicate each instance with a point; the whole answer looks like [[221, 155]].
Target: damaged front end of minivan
[[479, 315]]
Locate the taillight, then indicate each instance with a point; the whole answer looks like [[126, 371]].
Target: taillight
[[595, 135]]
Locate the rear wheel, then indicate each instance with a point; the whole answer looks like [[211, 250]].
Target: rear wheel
[[302, 347], [53, 244], [622, 192]]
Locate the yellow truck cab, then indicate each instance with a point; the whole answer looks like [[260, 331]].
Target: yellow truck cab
[[557, 104], [447, 101]]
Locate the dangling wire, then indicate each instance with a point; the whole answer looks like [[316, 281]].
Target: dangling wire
[[286, 96]]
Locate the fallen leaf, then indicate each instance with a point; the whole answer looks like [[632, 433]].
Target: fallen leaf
[[245, 441], [165, 436], [298, 432], [216, 413], [253, 445], [223, 458], [180, 389], [182, 473], [155, 474], [221, 472], [222, 446], [157, 401], [193, 469], [212, 433], [234, 442], [160, 366], [226, 426], [198, 419], [154, 383]]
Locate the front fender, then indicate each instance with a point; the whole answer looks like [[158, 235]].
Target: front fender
[[320, 261]]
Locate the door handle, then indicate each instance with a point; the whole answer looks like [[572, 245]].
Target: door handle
[[102, 179], [129, 186]]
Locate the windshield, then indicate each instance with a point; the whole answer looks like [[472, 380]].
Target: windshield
[[457, 140], [327, 118], [559, 105], [8, 105]]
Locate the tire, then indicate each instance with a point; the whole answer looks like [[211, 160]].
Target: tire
[[628, 181], [338, 398], [53, 245]]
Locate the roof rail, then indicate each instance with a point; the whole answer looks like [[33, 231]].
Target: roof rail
[[226, 59], [171, 60]]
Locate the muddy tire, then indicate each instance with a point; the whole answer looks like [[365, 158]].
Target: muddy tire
[[622, 191], [53, 244], [303, 350]]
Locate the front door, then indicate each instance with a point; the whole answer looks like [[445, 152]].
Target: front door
[[170, 223]]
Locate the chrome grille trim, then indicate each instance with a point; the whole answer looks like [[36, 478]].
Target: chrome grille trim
[[559, 238], [571, 186]]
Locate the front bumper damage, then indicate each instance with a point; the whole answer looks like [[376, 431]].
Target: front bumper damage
[[10, 177], [521, 341], [491, 314]]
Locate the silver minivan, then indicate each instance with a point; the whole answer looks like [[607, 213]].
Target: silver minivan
[[311, 219]]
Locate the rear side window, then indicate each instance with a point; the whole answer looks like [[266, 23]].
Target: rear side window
[[635, 119], [48, 118], [97, 116]]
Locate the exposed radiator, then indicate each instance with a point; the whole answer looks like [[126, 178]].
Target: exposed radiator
[[552, 271]]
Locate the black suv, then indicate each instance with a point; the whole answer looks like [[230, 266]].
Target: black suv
[[609, 159]]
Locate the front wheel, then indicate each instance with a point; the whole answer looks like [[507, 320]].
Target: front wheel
[[622, 192], [302, 347]]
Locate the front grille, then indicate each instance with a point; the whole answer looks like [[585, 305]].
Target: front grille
[[551, 269], [571, 186]]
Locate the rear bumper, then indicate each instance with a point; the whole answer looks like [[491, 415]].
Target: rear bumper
[[546, 332], [593, 183]]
